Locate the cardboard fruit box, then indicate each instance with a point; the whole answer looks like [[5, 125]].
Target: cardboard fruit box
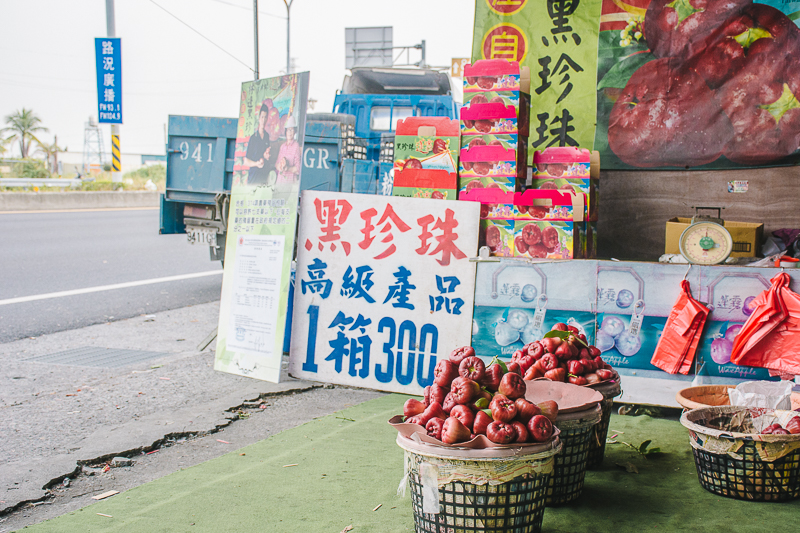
[[425, 183], [747, 236], [426, 142]]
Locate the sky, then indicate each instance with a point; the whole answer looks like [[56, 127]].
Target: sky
[[48, 63]]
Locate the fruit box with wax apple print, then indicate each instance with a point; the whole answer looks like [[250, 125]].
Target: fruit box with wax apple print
[[494, 75], [503, 184], [491, 160], [424, 183], [490, 119], [497, 235], [567, 167], [510, 140], [427, 143], [548, 224]]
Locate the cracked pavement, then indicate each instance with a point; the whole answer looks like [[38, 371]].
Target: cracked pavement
[[62, 424]]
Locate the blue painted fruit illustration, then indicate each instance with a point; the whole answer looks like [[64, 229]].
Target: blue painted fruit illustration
[[529, 293], [604, 342], [628, 344], [624, 299], [613, 326], [517, 318], [505, 334]]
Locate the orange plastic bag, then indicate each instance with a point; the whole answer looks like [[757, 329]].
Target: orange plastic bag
[[771, 336], [678, 343]]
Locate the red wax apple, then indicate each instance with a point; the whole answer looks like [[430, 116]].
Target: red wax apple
[[549, 409], [540, 428], [578, 380], [459, 354], [413, 407], [667, 116], [576, 368], [449, 403], [534, 372], [512, 385], [434, 410], [454, 431], [793, 425], [434, 428], [482, 421], [465, 414], [556, 374], [550, 344], [526, 410], [491, 379], [472, 368], [464, 390], [549, 362], [524, 360], [521, 430], [684, 28], [592, 378], [594, 351], [503, 408], [559, 326], [482, 400], [501, 432], [445, 372], [535, 350], [604, 374], [513, 368]]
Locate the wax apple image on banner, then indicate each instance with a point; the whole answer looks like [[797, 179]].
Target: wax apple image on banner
[[262, 219], [691, 84]]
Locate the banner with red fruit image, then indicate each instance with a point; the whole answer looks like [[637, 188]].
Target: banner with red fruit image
[[690, 84]]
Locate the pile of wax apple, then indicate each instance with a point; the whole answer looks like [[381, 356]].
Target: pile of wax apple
[[563, 355], [468, 399]]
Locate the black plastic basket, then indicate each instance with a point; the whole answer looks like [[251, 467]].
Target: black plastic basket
[[749, 478], [597, 446], [515, 506], [735, 461], [569, 471]]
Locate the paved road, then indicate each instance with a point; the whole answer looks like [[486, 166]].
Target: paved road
[[52, 252]]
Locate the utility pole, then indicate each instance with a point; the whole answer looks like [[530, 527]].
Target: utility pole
[[288, 27], [116, 176], [255, 32]]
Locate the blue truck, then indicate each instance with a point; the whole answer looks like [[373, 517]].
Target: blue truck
[[348, 150]]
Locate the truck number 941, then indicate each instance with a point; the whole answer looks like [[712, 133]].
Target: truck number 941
[[197, 152]]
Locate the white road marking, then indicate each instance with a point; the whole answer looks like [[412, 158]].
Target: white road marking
[[101, 288]]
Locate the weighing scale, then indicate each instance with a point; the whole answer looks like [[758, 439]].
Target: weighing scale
[[706, 241]]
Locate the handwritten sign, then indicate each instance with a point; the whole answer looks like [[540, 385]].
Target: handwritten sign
[[384, 288]]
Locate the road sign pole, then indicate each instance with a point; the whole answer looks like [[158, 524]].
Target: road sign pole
[[116, 174]]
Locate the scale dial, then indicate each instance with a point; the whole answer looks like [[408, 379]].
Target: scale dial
[[706, 243]]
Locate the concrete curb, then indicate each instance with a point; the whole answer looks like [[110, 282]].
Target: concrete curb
[[46, 201]]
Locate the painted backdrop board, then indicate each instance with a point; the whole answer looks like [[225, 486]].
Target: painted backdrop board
[[384, 288], [655, 84], [262, 221]]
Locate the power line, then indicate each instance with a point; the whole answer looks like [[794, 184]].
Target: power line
[[203, 36], [248, 9]]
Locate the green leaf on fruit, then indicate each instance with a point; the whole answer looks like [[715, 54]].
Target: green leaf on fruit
[[684, 9], [786, 102], [619, 74], [794, 16], [751, 35], [497, 360]]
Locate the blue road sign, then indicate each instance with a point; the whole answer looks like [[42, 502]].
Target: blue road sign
[[109, 79]]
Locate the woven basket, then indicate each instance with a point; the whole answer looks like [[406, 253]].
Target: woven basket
[[713, 396], [576, 433]]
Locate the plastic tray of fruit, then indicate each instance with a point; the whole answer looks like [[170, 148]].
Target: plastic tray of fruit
[[564, 355]]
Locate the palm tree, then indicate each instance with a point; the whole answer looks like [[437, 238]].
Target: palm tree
[[23, 125], [50, 153]]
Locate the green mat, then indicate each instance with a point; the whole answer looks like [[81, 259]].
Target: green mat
[[347, 464]]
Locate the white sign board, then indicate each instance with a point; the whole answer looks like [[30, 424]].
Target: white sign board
[[384, 288]]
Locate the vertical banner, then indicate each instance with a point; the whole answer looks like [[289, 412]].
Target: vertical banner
[[557, 40], [108, 57], [384, 288], [262, 221]]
